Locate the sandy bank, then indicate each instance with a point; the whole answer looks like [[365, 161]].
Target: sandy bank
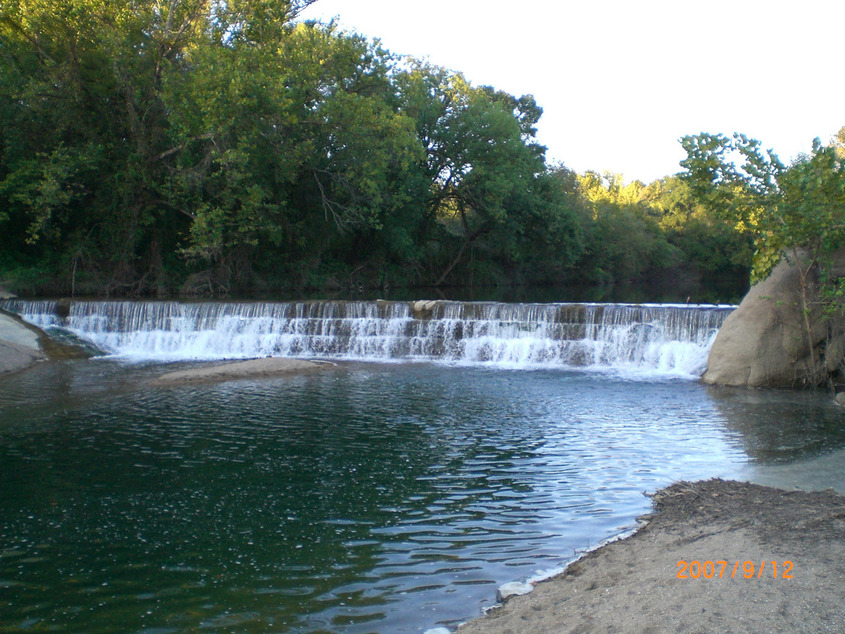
[[633, 585], [255, 368]]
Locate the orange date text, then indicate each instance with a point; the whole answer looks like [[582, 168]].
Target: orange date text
[[748, 569]]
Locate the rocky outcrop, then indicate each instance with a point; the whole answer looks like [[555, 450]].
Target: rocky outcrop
[[251, 369], [14, 357], [22, 344], [19, 344], [423, 309], [765, 343]]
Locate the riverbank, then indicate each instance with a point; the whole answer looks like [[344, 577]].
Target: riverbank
[[638, 585]]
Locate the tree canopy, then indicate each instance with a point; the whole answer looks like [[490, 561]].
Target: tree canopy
[[794, 213], [783, 207], [158, 146]]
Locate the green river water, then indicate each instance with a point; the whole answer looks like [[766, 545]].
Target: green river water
[[385, 497]]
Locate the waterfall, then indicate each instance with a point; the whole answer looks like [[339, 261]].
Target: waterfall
[[646, 338]]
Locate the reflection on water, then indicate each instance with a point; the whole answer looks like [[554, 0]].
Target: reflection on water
[[780, 426], [371, 498], [816, 473]]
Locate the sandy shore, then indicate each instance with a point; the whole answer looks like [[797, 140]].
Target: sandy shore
[[633, 585], [254, 368]]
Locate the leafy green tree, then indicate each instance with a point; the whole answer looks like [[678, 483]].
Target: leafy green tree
[[148, 143], [647, 232], [625, 240], [291, 147], [797, 212], [86, 124], [714, 247], [480, 157], [546, 234], [802, 205]]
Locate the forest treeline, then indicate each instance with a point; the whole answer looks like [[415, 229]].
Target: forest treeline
[[164, 146]]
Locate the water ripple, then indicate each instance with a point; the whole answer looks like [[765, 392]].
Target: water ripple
[[371, 498]]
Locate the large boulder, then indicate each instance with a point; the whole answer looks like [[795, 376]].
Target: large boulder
[[22, 345], [14, 357], [19, 344], [764, 342]]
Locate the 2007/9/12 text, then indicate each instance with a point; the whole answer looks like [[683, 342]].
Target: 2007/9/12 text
[[708, 569]]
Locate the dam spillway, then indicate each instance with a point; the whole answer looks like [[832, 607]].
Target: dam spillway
[[645, 338]]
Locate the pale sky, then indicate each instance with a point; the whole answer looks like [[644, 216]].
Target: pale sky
[[621, 81]]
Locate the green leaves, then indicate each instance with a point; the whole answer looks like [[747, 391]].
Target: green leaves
[[48, 185], [142, 138], [799, 206], [365, 147]]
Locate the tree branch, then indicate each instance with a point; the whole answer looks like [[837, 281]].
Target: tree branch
[[182, 146]]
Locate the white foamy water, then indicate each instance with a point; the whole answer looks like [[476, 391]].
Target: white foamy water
[[639, 340]]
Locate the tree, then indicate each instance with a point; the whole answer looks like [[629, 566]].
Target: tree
[[784, 207], [291, 147], [87, 128], [795, 212], [480, 150], [626, 242], [148, 143], [713, 246]]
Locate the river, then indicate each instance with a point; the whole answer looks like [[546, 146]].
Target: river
[[455, 447]]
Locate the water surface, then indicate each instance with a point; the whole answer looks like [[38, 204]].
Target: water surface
[[369, 498]]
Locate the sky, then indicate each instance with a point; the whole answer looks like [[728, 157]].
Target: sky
[[620, 82]]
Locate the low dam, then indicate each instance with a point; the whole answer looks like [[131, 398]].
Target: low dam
[[664, 339]]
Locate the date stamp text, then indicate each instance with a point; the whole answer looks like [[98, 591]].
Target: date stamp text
[[765, 569]]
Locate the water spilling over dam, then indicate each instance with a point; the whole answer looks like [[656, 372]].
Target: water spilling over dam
[[663, 339]]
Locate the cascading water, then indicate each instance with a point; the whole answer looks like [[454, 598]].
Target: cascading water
[[649, 339]]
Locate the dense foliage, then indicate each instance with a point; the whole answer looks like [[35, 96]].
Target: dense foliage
[[163, 146], [794, 213], [799, 206]]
